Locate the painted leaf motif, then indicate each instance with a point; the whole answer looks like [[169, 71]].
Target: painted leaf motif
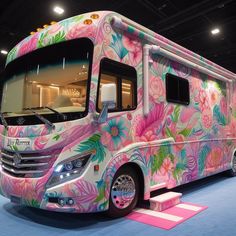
[[159, 158], [41, 42], [177, 172], [86, 192], [152, 121], [172, 157], [219, 116], [202, 158], [176, 113], [117, 45], [32, 203], [185, 132], [58, 37], [181, 165], [11, 55], [101, 186], [169, 133], [91, 144], [56, 137], [103, 206], [78, 18]]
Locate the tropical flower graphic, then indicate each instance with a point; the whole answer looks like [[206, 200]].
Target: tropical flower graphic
[[214, 95], [207, 119], [203, 100], [134, 47], [150, 123], [79, 31], [223, 106], [214, 159], [166, 167], [148, 136], [157, 89], [28, 46], [115, 133]]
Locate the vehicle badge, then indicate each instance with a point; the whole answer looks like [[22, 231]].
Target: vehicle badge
[[16, 159]]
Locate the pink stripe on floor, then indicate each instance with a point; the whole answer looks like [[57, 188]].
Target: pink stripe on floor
[[151, 220], [148, 218]]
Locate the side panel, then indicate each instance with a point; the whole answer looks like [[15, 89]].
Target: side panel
[[200, 130]]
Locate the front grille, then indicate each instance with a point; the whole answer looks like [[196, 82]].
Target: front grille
[[27, 165]]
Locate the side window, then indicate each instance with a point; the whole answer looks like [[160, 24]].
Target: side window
[[125, 78], [177, 89]]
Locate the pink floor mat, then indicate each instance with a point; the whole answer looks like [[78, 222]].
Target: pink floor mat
[[166, 219]]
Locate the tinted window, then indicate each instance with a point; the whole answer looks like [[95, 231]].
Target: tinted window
[[177, 89], [125, 78]]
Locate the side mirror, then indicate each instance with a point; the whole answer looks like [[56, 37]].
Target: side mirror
[[108, 99]]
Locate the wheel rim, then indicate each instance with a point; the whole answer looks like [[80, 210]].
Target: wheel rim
[[234, 164], [123, 191]]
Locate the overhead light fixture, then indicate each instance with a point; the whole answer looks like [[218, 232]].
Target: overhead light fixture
[[215, 31], [4, 52], [58, 10]]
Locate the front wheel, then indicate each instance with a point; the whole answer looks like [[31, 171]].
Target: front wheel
[[124, 192], [232, 171]]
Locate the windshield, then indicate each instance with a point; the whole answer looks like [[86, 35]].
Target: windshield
[[60, 81]]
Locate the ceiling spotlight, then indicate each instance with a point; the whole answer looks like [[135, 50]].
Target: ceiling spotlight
[[58, 10], [215, 31], [4, 52]]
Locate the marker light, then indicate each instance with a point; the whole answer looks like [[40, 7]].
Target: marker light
[[58, 10], [215, 31], [4, 52]]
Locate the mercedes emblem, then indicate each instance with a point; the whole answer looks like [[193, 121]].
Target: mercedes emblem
[[16, 159]]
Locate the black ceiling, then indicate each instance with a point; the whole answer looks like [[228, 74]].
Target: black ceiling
[[186, 22]]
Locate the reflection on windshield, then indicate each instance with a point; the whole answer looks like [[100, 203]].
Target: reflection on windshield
[[61, 86]]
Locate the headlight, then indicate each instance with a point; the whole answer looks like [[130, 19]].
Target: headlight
[[69, 169]]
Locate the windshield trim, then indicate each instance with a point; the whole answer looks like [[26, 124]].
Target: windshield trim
[[30, 119]]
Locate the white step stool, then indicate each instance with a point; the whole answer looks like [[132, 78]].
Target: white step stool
[[165, 201]]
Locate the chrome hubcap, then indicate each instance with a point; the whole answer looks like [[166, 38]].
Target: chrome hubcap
[[123, 191]]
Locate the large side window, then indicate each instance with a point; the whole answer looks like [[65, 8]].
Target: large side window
[[177, 89], [125, 78]]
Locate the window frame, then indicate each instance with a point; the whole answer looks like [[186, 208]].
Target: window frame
[[179, 79], [119, 85]]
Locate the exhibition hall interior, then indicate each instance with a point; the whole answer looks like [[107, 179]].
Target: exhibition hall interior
[[117, 117]]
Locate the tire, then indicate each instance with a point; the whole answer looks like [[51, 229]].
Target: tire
[[125, 184], [232, 171]]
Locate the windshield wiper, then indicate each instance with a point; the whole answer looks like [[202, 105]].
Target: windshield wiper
[[44, 120], [3, 120], [63, 116]]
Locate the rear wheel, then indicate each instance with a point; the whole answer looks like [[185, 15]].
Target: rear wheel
[[124, 192], [232, 171]]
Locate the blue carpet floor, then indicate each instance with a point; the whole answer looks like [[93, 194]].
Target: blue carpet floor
[[217, 192]]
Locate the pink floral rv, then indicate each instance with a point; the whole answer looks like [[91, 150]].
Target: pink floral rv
[[98, 111]]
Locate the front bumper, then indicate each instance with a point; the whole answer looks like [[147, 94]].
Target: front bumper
[[83, 195]]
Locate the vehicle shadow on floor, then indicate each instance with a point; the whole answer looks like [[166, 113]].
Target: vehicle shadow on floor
[[59, 219], [76, 221]]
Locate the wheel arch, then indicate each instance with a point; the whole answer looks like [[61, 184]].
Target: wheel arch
[[140, 176], [120, 162], [233, 155]]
